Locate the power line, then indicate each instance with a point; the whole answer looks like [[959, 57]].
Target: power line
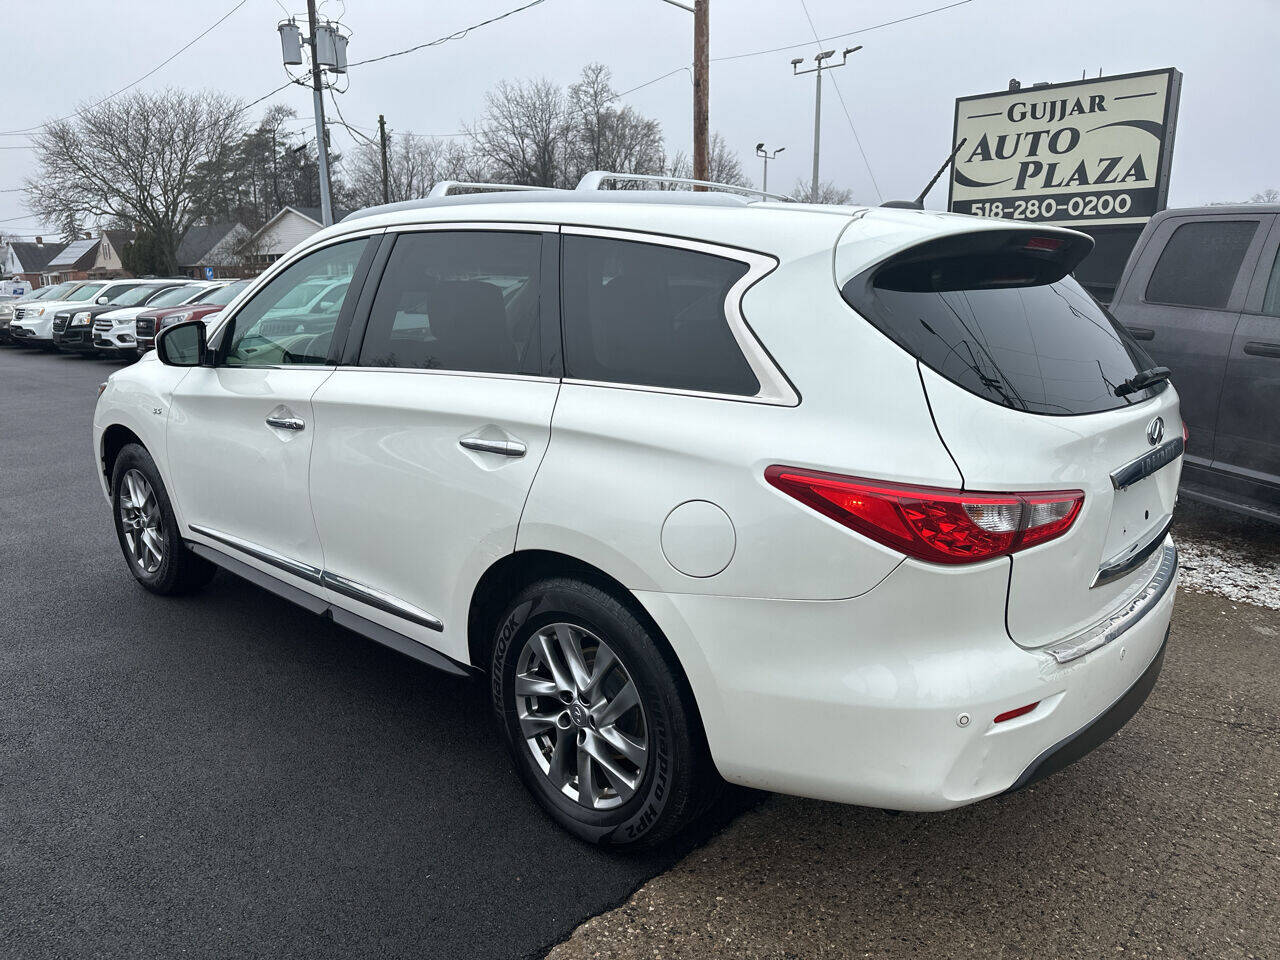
[[839, 36], [7, 133], [343, 121], [458, 35], [840, 96]]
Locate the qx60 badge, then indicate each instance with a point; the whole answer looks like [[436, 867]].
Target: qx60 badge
[[1155, 431]]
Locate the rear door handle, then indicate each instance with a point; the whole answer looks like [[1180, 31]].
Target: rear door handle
[[503, 448], [1262, 348], [1142, 333], [286, 423]]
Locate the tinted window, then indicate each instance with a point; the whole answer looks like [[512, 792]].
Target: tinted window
[[651, 315], [170, 298], [1046, 348], [224, 295], [281, 326], [465, 300], [1199, 264], [1271, 302]]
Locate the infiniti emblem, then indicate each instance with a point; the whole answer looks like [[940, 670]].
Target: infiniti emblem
[[578, 714], [1155, 431]]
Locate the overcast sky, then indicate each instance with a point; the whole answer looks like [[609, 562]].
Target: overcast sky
[[899, 89]]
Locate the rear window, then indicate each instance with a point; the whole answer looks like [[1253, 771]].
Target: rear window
[[1046, 348], [1199, 264], [651, 315]]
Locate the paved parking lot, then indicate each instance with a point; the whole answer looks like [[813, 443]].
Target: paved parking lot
[[226, 776]]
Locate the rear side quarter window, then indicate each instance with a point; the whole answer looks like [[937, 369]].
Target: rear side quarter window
[[651, 315], [1199, 264]]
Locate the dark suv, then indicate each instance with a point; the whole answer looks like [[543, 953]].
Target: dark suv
[[1202, 292]]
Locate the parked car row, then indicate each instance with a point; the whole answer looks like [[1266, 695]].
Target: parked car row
[[114, 318]]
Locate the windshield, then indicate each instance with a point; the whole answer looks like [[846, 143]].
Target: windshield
[[85, 293], [133, 296], [224, 296], [116, 294], [53, 293], [171, 297]]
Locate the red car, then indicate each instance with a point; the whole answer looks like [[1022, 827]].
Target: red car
[[153, 321]]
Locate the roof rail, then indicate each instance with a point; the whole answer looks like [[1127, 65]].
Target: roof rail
[[446, 187], [595, 178]]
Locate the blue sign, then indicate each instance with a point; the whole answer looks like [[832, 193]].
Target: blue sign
[[208, 273]]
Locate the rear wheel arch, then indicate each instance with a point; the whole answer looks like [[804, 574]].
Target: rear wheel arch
[[509, 575]]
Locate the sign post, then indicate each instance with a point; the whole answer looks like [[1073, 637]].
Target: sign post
[[1087, 152]]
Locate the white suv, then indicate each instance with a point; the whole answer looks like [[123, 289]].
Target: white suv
[[868, 505]]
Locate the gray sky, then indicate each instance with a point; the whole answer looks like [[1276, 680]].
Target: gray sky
[[899, 89]]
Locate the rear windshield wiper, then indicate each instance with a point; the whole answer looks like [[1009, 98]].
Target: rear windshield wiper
[[1143, 379]]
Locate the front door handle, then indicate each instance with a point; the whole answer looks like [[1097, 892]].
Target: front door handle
[[503, 448], [286, 423], [1262, 348], [1142, 333]]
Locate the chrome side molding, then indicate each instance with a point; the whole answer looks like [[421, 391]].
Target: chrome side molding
[[259, 552], [382, 601], [1133, 607], [324, 578]]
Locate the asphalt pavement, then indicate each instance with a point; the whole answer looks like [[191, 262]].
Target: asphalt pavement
[[225, 775]]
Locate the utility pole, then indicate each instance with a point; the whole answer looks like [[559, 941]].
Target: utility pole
[[762, 152], [382, 139], [820, 60], [322, 148], [701, 88]]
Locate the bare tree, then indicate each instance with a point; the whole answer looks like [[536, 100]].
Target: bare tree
[[414, 165], [138, 158], [606, 136], [523, 136], [1270, 195], [723, 165], [828, 192]]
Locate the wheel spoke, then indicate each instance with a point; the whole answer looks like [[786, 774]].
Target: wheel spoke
[[528, 685], [587, 792], [571, 649], [604, 662], [152, 542], [533, 724], [622, 701], [623, 782], [547, 648], [633, 750], [563, 760]]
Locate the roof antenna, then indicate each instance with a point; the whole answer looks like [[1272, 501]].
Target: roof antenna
[[918, 202]]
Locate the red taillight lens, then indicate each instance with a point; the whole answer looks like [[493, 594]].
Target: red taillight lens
[[930, 523], [1186, 434]]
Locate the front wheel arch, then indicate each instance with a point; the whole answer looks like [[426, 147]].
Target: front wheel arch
[[114, 439]]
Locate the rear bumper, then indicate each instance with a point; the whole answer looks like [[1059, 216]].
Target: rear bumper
[[889, 699], [1098, 731]]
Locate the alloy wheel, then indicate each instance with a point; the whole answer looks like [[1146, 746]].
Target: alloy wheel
[[581, 716], [140, 521]]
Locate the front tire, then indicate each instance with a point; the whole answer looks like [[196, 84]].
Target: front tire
[[148, 530], [601, 729]]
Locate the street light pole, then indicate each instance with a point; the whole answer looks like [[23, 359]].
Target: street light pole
[[767, 156], [821, 64]]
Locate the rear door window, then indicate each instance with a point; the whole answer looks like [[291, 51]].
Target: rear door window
[[1199, 265], [651, 315], [458, 300], [1046, 348]]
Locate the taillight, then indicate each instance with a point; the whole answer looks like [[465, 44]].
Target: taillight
[[931, 523]]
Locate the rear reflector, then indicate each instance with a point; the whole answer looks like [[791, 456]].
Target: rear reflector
[[1043, 243], [1020, 711], [931, 523]]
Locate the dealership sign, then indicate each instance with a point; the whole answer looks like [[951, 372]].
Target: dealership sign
[[1087, 152]]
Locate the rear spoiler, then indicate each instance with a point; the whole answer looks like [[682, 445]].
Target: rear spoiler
[[980, 260]]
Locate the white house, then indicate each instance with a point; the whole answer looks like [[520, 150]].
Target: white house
[[283, 232]]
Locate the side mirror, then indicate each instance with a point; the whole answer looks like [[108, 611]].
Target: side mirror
[[183, 344], [102, 299]]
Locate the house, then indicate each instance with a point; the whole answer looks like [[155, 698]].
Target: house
[[74, 261], [28, 261], [282, 233], [107, 260], [212, 246]]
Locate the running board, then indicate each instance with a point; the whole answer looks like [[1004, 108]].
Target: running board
[[344, 618]]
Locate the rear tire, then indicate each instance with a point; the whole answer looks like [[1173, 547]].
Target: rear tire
[[148, 530], [602, 730]]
